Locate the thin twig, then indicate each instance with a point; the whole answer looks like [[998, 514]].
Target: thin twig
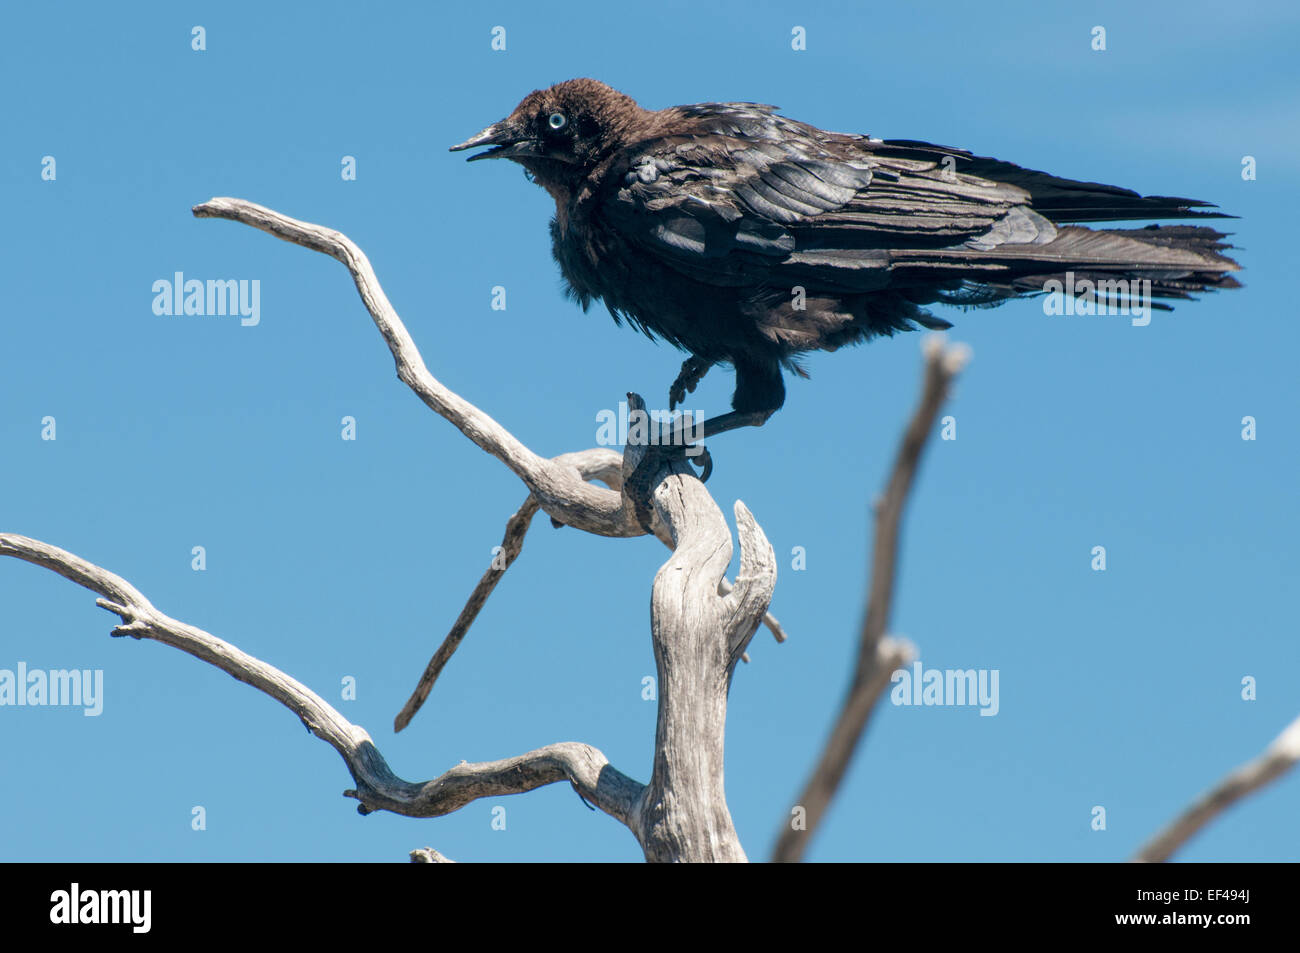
[[878, 656], [511, 545], [1278, 758], [596, 464]]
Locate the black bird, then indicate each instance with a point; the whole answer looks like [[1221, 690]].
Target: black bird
[[744, 237]]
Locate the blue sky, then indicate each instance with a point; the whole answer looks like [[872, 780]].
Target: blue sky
[[332, 558]]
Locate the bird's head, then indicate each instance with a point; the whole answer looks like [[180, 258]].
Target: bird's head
[[559, 135]]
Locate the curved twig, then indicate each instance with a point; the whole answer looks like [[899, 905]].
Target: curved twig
[[559, 488]]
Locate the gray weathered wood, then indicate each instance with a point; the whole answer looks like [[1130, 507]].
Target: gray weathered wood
[[699, 623], [698, 635]]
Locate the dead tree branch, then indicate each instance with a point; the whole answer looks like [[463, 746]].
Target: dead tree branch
[[698, 632], [378, 788], [603, 465], [511, 545], [878, 656], [596, 464], [698, 637], [559, 488], [1278, 758]]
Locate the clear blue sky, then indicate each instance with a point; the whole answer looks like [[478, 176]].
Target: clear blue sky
[[332, 559]]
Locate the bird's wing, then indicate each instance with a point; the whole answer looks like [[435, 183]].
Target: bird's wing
[[752, 198], [735, 196], [1057, 198]]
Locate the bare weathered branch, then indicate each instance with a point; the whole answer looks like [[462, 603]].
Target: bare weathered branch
[[559, 488], [698, 635], [583, 766], [770, 621], [378, 788], [699, 625], [878, 656], [1278, 758], [597, 464]]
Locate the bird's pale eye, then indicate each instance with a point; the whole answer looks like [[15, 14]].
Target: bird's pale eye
[[557, 121]]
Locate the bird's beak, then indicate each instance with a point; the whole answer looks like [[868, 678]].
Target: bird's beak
[[510, 139]]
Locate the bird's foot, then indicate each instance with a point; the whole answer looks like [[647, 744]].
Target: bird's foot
[[684, 441], [693, 370], [658, 455], [704, 461], [687, 435]]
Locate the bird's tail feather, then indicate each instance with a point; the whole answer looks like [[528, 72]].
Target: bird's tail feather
[[1101, 264]]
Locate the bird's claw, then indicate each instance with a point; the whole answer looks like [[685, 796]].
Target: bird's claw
[[704, 461], [637, 485], [692, 372]]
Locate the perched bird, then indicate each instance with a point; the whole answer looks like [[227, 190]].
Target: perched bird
[[746, 238]]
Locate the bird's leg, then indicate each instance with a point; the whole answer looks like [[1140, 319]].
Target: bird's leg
[[693, 370], [759, 391], [688, 433], [757, 387], [689, 436], [733, 420]]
